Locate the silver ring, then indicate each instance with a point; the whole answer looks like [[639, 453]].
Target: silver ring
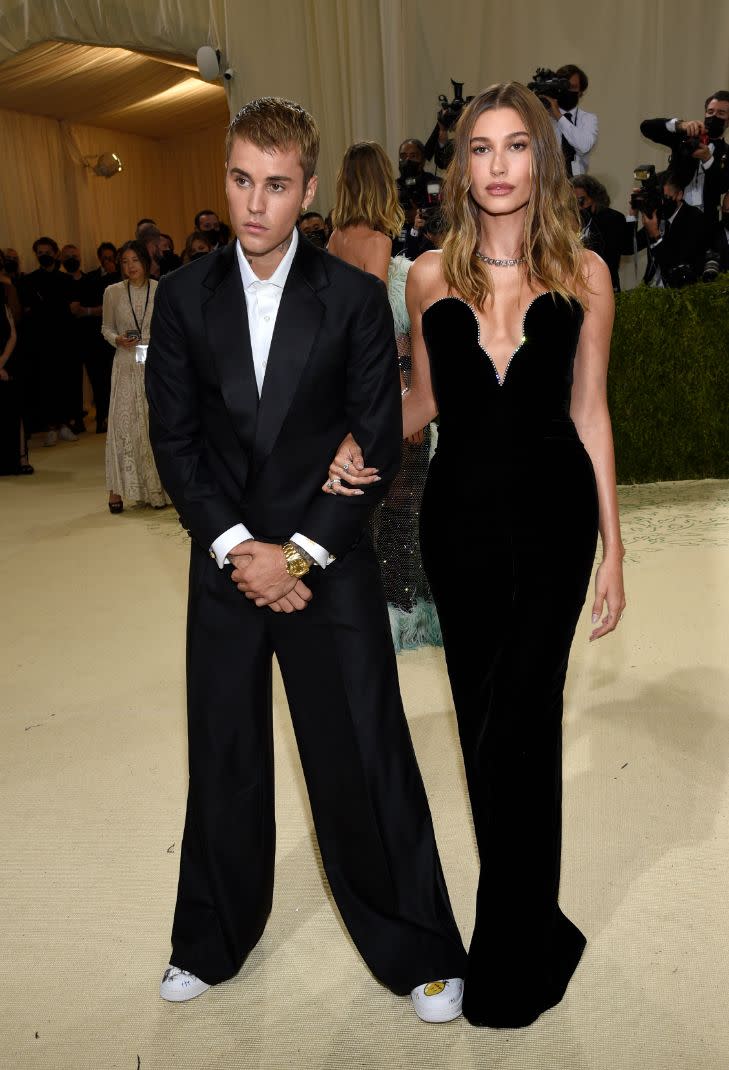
[[330, 483], [336, 481], [345, 467]]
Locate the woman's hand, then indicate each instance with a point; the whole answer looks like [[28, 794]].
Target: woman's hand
[[349, 466], [126, 343], [609, 594]]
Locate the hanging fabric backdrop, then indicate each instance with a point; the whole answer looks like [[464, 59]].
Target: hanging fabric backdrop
[[365, 68]]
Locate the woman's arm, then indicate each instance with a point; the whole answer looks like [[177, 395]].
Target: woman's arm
[[419, 406], [108, 323], [589, 410]]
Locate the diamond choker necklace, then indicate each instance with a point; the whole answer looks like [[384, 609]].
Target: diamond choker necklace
[[493, 262]]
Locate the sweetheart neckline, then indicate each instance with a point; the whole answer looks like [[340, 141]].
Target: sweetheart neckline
[[500, 376]]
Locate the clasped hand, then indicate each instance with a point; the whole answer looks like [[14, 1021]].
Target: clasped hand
[[259, 572]]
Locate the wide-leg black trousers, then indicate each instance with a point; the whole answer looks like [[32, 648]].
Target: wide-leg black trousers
[[367, 797]]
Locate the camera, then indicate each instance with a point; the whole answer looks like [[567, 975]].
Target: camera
[[133, 335], [546, 84], [712, 266], [650, 195], [450, 110], [714, 127]]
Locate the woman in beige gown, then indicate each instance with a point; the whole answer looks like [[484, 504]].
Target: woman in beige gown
[[131, 474]]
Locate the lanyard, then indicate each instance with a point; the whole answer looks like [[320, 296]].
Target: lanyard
[[136, 321]]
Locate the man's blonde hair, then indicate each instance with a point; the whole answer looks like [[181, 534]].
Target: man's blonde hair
[[274, 123]]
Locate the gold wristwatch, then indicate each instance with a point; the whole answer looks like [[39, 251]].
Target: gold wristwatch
[[296, 564]]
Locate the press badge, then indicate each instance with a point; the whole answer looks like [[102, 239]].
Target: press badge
[[140, 353]]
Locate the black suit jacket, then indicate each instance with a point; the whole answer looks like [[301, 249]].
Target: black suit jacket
[[719, 244], [605, 236], [716, 179], [686, 243], [223, 456]]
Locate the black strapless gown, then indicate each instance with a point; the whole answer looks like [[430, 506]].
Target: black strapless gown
[[508, 534]]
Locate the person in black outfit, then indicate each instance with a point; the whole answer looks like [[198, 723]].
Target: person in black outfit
[[703, 173], [719, 238], [47, 343], [523, 477], [603, 227], [13, 442], [97, 354], [677, 238], [261, 354]]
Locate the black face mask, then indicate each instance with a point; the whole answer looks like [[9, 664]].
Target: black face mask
[[668, 207], [409, 168], [568, 101], [724, 220], [166, 256], [318, 237], [46, 260], [11, 266], [72, 265], [196, 256]]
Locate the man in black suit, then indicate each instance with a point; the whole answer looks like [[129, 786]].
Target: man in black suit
[[262, 356], [720, 236], [603, 228], [676, 237], [703, 172]]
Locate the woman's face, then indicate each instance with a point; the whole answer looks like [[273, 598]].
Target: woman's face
[[132, 266], [501, 162], [199, 246]]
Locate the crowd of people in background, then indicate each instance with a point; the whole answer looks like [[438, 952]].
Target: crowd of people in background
[[58, 321]]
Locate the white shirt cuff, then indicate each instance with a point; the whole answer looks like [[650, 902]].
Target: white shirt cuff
[[226, 541], [671, 125], [320, 555]]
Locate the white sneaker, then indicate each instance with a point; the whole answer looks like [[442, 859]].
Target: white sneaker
[[438, 1001], [51, 438], [67, 434], [178, 985]]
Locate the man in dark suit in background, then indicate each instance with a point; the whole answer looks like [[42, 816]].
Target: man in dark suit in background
[[703, 171], [262, 356]]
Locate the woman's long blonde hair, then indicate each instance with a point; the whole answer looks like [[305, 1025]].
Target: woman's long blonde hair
[[552, 246], [366, 191]]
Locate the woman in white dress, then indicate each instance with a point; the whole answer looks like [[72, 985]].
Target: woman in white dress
[[131, 474]]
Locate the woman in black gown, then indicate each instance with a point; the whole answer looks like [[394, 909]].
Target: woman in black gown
[[511, 334]]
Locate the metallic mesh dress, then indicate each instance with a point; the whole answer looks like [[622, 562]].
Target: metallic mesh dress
[[395, 524]]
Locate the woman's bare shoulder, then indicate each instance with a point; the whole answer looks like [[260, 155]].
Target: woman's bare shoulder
[[425, 278], [596, 272]]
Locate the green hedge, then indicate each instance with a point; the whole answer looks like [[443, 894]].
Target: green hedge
[[668, 383]]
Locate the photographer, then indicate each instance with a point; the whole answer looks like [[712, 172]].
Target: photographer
[[718, 257], [699, 154], [427, 232], [675, 234], [576, 129], [603, 227], [416, 189]]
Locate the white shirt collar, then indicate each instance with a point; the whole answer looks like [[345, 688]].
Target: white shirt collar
[[676, 212], [281, 273]]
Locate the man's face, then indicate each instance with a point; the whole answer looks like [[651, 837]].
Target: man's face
[[583, 199], [107, 260], [70, 252], [312, 224], [575, 84], [410, 151], [165, 245], [209, 221], [719, 108], [266, 193], [153, 248], [45, 250], [670, 193]]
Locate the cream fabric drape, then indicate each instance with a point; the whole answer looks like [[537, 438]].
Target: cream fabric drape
[[44, 190], [374, 68]]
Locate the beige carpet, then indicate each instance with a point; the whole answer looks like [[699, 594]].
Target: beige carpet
[[92, 791]]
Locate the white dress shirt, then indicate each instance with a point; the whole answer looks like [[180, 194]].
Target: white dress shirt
[[263, 297], [581, 133], [694, 192]]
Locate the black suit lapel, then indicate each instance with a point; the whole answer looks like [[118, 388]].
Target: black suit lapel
[[226, 324], [298, 320]]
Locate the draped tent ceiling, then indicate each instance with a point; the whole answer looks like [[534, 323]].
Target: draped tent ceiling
[[365, 68]]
